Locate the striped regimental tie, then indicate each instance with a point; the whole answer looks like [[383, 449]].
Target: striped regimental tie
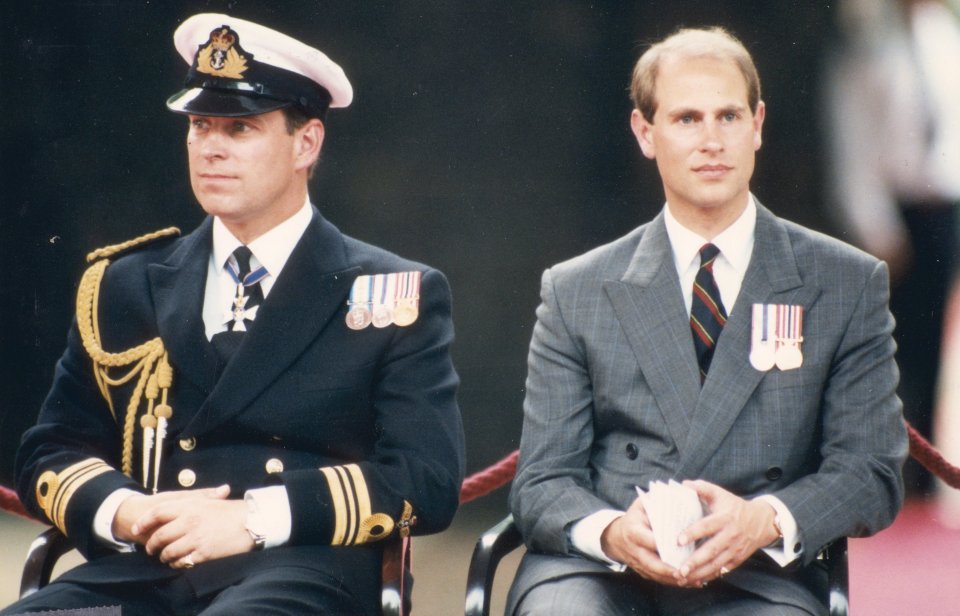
[[707, 315]]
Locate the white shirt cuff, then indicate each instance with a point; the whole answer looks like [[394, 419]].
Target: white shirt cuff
[[103, 520], [268, 514], [585, 536], [792, 546]]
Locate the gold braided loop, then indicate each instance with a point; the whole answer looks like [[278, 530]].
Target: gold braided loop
[[143, 358], [109, 251]]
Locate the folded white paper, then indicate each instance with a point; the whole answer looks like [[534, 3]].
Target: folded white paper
[[671, 508]]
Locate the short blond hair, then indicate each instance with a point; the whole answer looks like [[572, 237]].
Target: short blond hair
[[713, 42]]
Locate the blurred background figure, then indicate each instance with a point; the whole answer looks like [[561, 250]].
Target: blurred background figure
[[892, 91]]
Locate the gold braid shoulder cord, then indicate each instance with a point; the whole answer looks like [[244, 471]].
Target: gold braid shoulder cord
[[148, 361]]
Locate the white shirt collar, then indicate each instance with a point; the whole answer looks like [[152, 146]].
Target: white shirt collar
[[272, 249], [735, 242]]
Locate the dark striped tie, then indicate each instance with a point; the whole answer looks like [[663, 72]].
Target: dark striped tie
[[707, 315]]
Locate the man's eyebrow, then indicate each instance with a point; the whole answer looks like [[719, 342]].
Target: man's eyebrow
[[734, 108], [680, 112]]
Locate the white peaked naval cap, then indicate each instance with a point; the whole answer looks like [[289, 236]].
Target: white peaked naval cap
[[240, 68]]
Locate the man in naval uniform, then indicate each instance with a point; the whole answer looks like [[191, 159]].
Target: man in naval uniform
[[746, 358], [243, 413]]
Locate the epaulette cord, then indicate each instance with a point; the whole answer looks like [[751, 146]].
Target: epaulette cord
[[147, 363], [137, 242]]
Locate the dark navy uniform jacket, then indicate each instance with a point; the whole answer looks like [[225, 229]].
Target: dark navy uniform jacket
[[358, 420]]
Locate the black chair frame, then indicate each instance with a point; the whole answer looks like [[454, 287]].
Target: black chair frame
[[504, 538], [395, 596]]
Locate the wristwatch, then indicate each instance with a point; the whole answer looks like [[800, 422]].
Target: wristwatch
[[255, 525], [259, 541]]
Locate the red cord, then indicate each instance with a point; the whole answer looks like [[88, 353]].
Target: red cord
[[489, 479], [931, 459], [10, 502]]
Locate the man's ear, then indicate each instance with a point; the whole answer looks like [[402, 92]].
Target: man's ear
[[309, 141], [758, 118], [643, 131]]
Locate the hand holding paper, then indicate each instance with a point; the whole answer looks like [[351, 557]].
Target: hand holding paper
[[671, 508]]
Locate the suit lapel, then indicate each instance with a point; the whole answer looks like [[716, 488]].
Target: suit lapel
[[649, 305], [308, 293], [773, 277], [178, 288]]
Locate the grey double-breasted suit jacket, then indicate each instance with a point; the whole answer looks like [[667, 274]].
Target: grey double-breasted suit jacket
[[614, 399]]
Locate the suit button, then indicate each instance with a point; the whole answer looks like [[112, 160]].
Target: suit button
[[186, 478], [774, 472], [188, 444], [631, 451], [274, 465]]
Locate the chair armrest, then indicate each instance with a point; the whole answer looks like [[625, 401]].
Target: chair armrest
[[838, 577], [492, 546], [397, 583], [42, 556]]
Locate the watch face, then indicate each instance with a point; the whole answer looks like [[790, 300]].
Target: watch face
[[255, 524], [259, 541]]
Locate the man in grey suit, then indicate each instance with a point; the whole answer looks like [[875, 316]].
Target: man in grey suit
[[791, 435]]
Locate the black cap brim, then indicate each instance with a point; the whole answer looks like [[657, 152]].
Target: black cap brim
[[221, 103]]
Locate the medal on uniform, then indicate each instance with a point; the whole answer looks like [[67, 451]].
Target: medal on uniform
[[384, 299], [238, 312], [790, 335], [776, 336], [407, 307], [763, 338], [361, 293], [384, 286]]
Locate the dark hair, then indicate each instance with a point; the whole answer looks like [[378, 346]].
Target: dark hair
[[295, 117]]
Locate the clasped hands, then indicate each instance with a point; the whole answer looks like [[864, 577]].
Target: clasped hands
[[731, 531], [185, 527]]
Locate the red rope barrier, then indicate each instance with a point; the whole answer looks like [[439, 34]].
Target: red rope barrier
[[931, 459], [489, 479], [10, 502]]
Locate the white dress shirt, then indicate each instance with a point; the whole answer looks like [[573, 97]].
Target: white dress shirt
[[736, 245]]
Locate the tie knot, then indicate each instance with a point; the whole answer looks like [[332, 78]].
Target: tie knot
[[242, 254], [708, 252]]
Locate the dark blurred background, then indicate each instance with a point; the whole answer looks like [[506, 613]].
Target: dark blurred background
[[489, 139]]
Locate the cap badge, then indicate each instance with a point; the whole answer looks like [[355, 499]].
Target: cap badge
[[221, 55]]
